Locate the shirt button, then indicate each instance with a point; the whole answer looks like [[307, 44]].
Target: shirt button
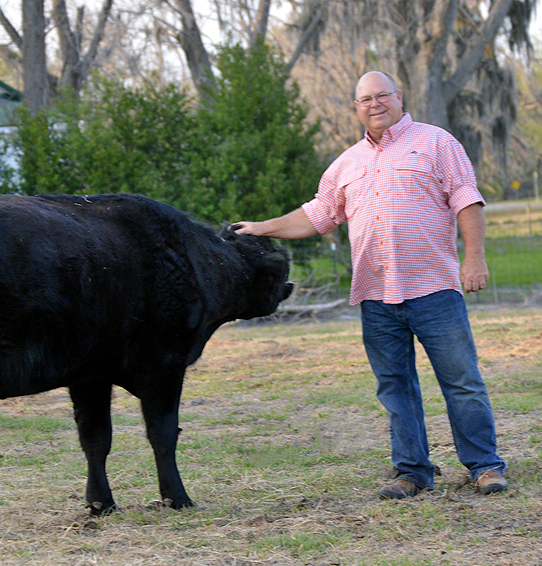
[[378, 170], [378, 217]]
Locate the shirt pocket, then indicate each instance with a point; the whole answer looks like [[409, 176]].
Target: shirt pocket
[[413, 177], [354, 184]]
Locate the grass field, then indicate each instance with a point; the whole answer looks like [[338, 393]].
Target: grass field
[[284, 447]]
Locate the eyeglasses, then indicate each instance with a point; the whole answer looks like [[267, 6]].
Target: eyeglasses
[[381, 98]]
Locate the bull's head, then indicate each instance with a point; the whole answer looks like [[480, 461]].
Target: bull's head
[[267, 271]]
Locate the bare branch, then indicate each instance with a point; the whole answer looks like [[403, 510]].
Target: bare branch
[[317, 19], [221, 22], [67, 40], [11, 31], [475, 50], [90, 56]]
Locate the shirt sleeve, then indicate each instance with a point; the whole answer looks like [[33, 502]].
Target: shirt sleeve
[[318, 216], [458, 176], [326, 210]]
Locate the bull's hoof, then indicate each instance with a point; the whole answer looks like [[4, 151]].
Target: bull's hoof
[[157, 504], [98, 509], [182, 505]]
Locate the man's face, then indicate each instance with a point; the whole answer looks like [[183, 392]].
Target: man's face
[[378, 116]]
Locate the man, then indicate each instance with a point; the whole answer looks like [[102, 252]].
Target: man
[[401, 190]]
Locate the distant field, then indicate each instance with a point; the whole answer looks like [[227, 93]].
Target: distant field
[[513, 252], [513, 219]]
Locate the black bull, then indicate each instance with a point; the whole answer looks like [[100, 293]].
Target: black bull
[[123, 290]]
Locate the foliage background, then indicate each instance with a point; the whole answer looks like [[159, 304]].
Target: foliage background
[[246, 151]]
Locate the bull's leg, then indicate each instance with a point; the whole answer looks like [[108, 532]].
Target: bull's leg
[[92, 411], [161, 412]]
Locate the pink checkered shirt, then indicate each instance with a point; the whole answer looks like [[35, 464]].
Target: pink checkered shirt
[[400, 198]]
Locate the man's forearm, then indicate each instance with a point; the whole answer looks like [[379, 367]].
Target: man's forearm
[[292, 226], [474, 273], [472, 225]]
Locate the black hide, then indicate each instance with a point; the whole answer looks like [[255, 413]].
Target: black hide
[[124, 290]]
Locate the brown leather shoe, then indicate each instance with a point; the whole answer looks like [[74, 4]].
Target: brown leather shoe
[[399, 489], [491, 481]]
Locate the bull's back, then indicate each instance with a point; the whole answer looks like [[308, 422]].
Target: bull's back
[[69, 289]]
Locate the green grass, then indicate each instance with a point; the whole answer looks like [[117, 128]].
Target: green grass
[[35, 424], [515, 261]]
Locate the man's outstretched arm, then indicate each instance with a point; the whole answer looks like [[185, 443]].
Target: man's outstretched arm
[[292, 226]]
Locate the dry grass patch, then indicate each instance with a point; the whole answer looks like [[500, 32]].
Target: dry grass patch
[[284, 447]]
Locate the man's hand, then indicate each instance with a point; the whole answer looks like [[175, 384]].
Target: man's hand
[[254, 228], [474, 273]]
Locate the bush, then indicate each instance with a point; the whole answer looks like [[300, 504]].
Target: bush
[[257, 151], [110, 141]]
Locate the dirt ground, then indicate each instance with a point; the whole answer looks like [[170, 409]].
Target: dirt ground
[[502, 530]]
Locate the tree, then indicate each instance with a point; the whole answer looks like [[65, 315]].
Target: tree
[[445, 54], [41, 87], [255, 154]]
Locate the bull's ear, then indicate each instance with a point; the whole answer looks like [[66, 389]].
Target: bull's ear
[[276, 261]]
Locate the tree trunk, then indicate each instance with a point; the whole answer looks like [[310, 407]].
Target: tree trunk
[[477, 45], [34, 65], [262, 17], [192, 44], [421, 47]]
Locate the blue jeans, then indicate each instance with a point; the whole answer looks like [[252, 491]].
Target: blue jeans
[[441, 324]]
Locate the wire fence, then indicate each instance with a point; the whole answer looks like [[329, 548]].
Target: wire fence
[[513, 253]]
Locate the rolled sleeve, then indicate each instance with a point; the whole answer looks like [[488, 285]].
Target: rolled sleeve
[[465, 197], [318, 216], [459, 178]]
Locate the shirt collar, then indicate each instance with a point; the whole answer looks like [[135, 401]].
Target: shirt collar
[[393, 132]]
